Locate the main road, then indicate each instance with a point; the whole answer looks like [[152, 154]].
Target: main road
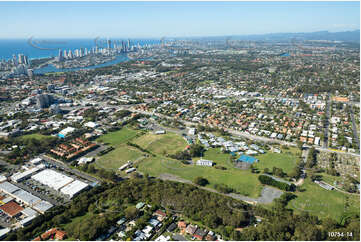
[[354, 129], [326, 122]]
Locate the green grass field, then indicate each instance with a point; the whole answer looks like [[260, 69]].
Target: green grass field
[[286, 160], [118, 157], [119, 137], [323, 203], [243, 181], [217, 156], [169, 143], [122, 152], [36, 136]]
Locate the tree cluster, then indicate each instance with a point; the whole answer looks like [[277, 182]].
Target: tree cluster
[[272, 182]]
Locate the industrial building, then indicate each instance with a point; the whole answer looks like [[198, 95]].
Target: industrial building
[[29, 212], [11, 208], [42, 206], [25, 197], [74, 188], [8, 188], [52, 179], [19, 176]]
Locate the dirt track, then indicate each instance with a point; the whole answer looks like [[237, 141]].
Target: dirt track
[[268, 194]]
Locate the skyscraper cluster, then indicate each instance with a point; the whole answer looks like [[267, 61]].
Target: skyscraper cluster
[[17, 65], [111, 48]]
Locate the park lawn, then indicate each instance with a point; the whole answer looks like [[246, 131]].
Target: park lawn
[[323, 203], [286, 161], [169, 143], [119, 137], [242, 181]]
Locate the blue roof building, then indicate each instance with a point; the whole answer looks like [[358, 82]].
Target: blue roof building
[[285, 54], [248, 159]]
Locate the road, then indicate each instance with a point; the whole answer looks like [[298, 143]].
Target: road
[[303, 176], [259, 138], [326, 122], [354, 128], [349, 193], [247, 135]]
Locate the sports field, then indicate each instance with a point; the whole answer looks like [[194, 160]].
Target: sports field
[[119, 137], [162, 144], [122, 152]]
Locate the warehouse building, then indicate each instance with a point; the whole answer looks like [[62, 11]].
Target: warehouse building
[[26, 221], [42, 206], [74, 188], [17, 177], [52, 179], [25, 197], [8, 188], [29, 212], [11, 209]]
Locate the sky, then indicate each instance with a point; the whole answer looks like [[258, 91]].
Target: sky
[[172, 19]]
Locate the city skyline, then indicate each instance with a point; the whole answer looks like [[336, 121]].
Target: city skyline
[[173, 19]]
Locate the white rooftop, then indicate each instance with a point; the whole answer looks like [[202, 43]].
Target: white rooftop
[[74, 188], [8, 187], [29, 212], [36, 160], [42, 206], [26, 197], [52, 179]]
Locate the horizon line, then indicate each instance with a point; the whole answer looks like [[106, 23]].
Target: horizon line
[[177, 37]]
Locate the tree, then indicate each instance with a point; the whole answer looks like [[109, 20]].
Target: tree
[[201, 181], [196, 150], [312, 158], [299, 144], [131, 212]]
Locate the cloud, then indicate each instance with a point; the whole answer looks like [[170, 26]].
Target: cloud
[[345, 26]]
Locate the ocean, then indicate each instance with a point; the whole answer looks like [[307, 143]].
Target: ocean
[[44, 48]]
